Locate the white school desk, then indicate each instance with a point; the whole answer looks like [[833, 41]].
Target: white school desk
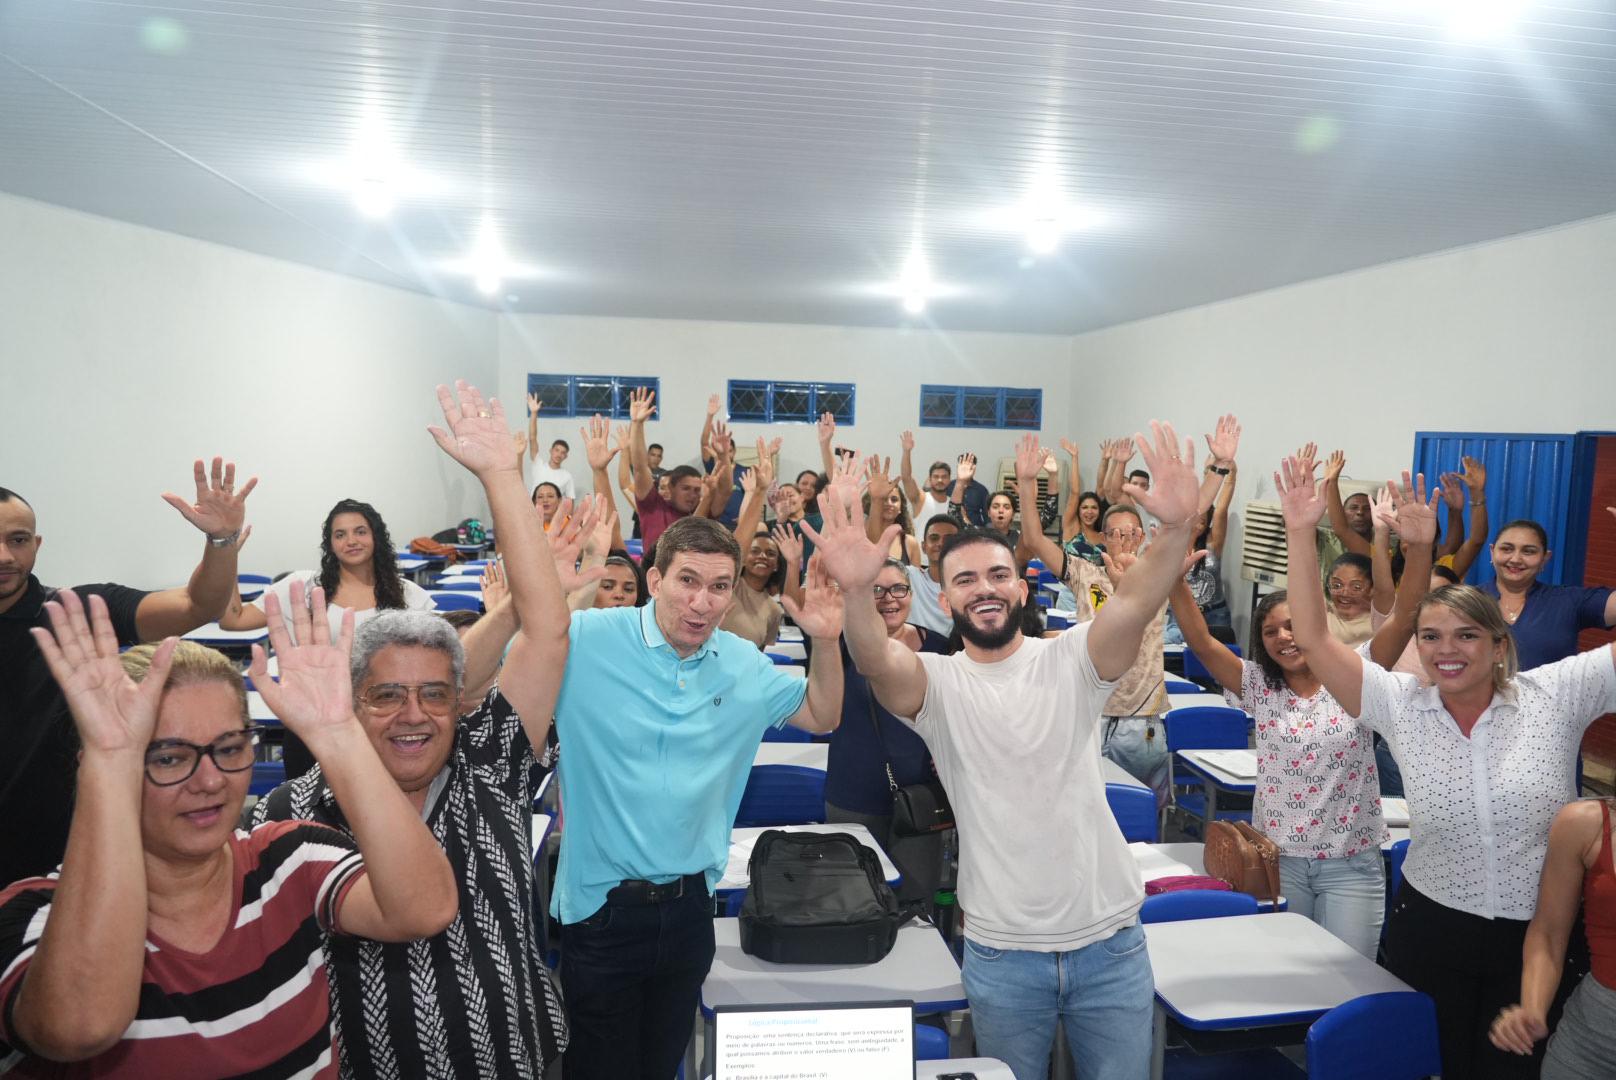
[[1116, 774], [258, 712], [1179, 860], [1211, 766], [984, 1068], [796, 650], [920, 968], [1192, 701], [1261, 971], [737, 875], [806, 755]]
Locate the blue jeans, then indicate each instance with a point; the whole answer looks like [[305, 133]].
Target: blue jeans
[[1102, 993], [1345, 896]]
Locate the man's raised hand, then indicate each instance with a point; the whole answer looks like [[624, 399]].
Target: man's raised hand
[[477, 434], [1175, 488], [1300, 500], [848, 555], [820, 613], [219, 509], [597, 445], [641, 404]]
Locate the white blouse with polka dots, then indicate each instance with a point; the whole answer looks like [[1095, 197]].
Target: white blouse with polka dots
[[1480, 807]]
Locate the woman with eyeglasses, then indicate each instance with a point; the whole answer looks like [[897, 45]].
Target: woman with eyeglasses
[[170, 941], [872, 752]]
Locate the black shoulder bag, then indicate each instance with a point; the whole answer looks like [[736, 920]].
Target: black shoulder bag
[[917, 809]]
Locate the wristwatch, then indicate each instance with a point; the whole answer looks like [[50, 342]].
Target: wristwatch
[[1216, 469], [224, 541]]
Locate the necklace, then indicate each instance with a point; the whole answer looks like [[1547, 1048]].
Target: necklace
[[1511, 616]]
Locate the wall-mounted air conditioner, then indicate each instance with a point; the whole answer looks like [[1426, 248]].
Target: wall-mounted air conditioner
[[1262, 544]]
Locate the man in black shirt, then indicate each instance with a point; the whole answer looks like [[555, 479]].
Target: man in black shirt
[[38, 748]]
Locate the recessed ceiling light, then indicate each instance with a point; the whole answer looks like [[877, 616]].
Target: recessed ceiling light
[[488, 264], [914, 284], [373, 174]]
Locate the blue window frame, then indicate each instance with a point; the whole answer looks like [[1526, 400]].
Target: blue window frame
[[981, 407], [562, 396], [762, 401]]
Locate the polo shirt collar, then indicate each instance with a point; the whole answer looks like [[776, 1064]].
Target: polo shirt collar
[[1429, 699], [654, 639]]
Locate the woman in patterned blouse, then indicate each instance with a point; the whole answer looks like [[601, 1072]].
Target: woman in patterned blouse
[[1318, 796]]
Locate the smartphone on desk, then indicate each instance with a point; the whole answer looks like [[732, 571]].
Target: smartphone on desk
[[957, 1076]]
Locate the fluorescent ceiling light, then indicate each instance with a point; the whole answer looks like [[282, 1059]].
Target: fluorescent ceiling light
[[1474, 20], [1044, 218], [373, 174], [914, 284], [488, 264]]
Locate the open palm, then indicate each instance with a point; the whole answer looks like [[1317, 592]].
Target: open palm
[[113, 713], [820, 613], [314, 691], [841, 545], [1299, 498], [477, 434]]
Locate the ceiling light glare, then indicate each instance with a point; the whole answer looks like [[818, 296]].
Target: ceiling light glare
[[1480, 20], [914, 284], [374, 197], [488, 264]]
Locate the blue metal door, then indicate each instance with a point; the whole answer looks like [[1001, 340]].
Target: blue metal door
[[1528, 476]]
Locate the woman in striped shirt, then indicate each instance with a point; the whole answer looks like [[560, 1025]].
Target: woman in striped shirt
[[168, 935]]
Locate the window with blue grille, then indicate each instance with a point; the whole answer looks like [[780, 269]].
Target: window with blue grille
[[585, 395], [981, 407], [762, 401]]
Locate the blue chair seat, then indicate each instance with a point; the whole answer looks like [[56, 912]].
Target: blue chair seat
[[1179, 686], [1135, 811], [1196, 904], [782, 795], [457, 601], [1389, 1036], [1185, 1064], [456, 584], [266, 777]]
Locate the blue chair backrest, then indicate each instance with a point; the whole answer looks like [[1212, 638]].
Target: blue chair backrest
[[459, 584], [1135, 811], [1388, 1036], [782, 795], [931, 1044], [1179, 686], [1196, 671], [1196, 904], [1394, 865], [733, 902], [266, 777], [254, 579], [457, 601], [787, 734], [779, 659], [1206, 727]]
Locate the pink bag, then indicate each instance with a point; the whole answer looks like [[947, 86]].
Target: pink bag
[[1186, 881]]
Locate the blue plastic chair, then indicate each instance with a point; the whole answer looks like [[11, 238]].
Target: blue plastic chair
[[457, 601], [635, 548], [780, 659], [1179, 686], [1195, 671], [254, 579], [1196, 904], [782, 795], [787, 734], [266, 777], [1203, 727], [1135, 811], [931, 1044], [1394, 877], [1389, 1036], [733, 902], [458, 584]]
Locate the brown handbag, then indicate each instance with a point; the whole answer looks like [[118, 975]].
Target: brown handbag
[[1243, 857]]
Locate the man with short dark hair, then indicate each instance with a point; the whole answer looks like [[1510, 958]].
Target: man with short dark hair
[[926, 583], [933, 501], [37, 741], [661, 713], [1140, 479], [653, 458], [1012, 725], [684, 483]]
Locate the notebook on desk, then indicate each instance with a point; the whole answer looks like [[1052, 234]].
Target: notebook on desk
[[1241, 763], [872, 1040]]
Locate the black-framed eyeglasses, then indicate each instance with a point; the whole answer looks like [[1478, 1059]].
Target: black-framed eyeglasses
[[385, 699], [897, 592], [174, 761]]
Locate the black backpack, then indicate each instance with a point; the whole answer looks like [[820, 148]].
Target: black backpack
[[818, 898]]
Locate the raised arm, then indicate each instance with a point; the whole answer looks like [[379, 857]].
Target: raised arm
[[853, 561], [964, 473], [1415, 521], [1381, 584], [1338, 511], [1338, 667], [714, 403], [533, 426], [880, 486], [1071, 522], [1453, 496], [906, 471], [219, 512], [485, 641], [641, 404], [1034, 544], [1175, 498], [1220, 509], [83, 985], [1574, 842], [826, 433], [819, 615], [1474, 477], [1224, 666], [1121, 452], [408, 890], [723, 459], [600, 541], [750, 519], [789, 541], [599, 452], [532, 675]]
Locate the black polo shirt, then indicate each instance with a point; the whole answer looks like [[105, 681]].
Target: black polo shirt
[[38, 743]]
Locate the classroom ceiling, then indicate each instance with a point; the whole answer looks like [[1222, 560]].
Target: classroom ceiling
[[784, 160]]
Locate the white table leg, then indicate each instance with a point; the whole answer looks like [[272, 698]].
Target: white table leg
[[1158, 1042]]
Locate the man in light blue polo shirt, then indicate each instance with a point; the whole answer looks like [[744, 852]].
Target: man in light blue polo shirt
[[659, 717]]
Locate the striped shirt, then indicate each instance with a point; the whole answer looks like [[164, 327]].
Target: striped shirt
[[474, 1001], [257, 1003]]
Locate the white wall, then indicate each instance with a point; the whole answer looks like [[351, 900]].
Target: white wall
[[1511, 336], [696, 359], [129, 352]]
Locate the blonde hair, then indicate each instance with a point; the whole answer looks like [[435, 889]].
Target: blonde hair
[[1476, 606], [192, 663]]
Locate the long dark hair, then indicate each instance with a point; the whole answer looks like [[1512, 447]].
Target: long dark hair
[[383, 560], [1273, 674], [776, 581]]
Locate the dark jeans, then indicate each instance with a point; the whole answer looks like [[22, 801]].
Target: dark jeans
[[1471, 967], [631, 975]]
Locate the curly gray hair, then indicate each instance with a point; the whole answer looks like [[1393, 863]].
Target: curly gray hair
[[421, 629]]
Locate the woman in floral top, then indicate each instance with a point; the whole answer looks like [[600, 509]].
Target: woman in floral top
[[1318, 794]]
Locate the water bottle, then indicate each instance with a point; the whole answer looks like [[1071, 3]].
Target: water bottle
[[943, 904]]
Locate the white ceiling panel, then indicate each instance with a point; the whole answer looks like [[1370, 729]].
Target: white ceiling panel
[[777, 160]]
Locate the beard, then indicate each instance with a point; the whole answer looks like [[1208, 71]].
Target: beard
[[990, 639]]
